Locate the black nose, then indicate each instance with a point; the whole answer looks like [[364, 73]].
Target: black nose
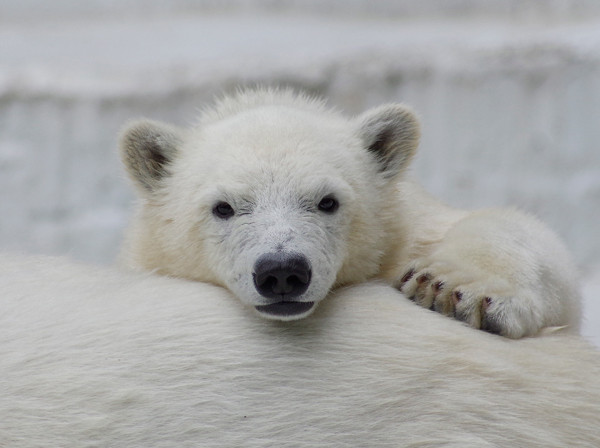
[[282, 276]]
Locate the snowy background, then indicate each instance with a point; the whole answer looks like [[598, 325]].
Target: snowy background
[[508, 92]]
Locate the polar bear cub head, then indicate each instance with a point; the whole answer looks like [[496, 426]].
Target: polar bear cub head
[[271, 195]]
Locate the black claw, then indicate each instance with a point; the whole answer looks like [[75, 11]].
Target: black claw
[[457, 296], [407, 277], [423, 278]]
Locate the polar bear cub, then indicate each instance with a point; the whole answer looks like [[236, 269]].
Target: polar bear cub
[[280, 199]]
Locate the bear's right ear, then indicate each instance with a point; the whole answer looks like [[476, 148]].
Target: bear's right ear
[[147, 148], [391, 133]]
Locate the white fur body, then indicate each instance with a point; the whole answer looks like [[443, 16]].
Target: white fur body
[[96, 357], [273, 155]]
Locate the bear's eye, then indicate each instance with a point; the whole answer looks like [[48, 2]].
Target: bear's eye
[[223, 210], [328, 204]]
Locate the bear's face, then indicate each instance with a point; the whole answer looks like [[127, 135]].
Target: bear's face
[[278, 200]]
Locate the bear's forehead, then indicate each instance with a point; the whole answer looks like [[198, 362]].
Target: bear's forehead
[[274, 142], [274, 173], [269, 130]]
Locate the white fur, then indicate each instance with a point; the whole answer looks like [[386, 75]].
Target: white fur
[[100, 358], [273, 155], [507, 256], [272, 163]]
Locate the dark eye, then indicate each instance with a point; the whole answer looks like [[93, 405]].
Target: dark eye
[[328, 204], [223, 210]]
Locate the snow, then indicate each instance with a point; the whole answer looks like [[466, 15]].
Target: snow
[[508, 92], [591, 309]]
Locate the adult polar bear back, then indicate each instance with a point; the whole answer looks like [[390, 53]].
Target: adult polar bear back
[[98, 357], [280, 199]]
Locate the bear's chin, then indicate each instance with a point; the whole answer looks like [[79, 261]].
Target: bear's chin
[[286, 310]]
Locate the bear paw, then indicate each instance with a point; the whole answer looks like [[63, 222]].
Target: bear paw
[[482, 301]]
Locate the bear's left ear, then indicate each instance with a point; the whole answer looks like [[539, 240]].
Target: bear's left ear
[[391, 133]]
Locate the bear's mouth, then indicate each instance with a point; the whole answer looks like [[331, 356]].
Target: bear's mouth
[[285, 308]]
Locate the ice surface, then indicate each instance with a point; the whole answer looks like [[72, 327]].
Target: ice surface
[[508, 92]]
